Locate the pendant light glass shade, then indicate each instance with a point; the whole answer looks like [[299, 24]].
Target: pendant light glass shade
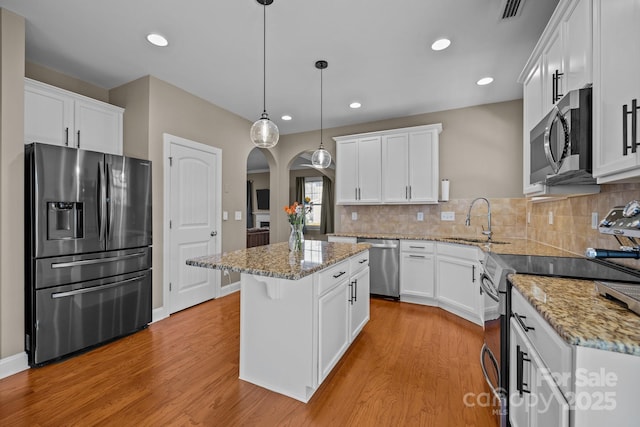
[[321, 158], [264, 133]]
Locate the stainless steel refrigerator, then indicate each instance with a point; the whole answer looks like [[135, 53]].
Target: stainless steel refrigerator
[[87, 249]]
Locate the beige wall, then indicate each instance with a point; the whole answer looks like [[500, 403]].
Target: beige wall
[[63, 81], [12, 42]]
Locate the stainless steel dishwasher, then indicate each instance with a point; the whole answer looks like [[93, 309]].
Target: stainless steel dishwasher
[[384, 259]]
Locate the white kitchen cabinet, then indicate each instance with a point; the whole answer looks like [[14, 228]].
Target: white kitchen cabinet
[[334, 332], [358, 170], [458, 280], [561, 61], [616, 85], [59, 117], [410, 165], [417, 271], [359, 301], [392, 166], [294, 332]]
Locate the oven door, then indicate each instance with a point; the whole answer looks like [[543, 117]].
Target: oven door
[[491, 352]]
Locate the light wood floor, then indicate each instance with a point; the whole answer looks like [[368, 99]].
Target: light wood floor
[[411, 366]]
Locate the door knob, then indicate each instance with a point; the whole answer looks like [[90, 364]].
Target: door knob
[[214, 233]]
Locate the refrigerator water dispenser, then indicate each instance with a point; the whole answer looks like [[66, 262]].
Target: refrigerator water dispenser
[[64, 220]]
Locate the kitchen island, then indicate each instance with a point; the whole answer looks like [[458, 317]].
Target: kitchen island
[[299, 312]]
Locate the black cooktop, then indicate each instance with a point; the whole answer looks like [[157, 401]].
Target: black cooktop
[[578, 268]]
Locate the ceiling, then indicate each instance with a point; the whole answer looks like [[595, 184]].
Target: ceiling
[[378, 52]]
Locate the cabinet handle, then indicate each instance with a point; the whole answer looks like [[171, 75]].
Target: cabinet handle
[[406, 192], [555, 93], [521, 322], [363, 261], [634, 127], [66, 136], [356, 190], [409, 192], [416, 247], [359, 194], [473, 274], [335, 276], [351, 292], [355, 290], [78, 139], [520, 384], [416, 256]]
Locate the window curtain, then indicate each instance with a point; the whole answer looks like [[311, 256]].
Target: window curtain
[[249, 204], [300, 197], [326, 213]]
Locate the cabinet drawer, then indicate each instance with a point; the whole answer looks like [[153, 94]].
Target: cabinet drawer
[[420, 246], [467, 252], [332, 276], [358, 262], [553, 350]]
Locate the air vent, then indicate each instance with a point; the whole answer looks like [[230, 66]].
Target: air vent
[[510, 8]]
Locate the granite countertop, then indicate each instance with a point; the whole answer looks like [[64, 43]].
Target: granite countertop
[[500, 245], [579, 314], [276, 260]]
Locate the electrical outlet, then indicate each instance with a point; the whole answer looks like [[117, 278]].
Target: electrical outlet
[[594, 220], [550, 217], [447, 216], [420, 216], [354, 216], [225, 215], [238, 216]]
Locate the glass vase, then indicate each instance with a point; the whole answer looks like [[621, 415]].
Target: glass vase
[[296, 238]]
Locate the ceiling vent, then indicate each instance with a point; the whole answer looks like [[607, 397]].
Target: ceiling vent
[[510, 8]]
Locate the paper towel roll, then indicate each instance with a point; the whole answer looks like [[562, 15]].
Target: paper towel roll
[[444, 193]]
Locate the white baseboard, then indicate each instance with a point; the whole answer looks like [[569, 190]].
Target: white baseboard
[[13, 364], [229, 289], [158, 314]]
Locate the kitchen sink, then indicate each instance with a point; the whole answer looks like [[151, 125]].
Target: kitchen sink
[[475, 240]]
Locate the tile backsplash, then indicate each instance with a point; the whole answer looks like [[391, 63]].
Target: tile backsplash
[[507, 218], [570, 229]]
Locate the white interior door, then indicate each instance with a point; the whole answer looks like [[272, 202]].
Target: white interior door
[[193, 220]]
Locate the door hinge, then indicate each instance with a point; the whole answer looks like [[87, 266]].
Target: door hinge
[[170, 161]]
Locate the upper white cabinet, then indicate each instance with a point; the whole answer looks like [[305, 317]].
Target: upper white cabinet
[[56, 116], [393, 166], [616, 90], [358, 170], [561, 61], [410, 166]]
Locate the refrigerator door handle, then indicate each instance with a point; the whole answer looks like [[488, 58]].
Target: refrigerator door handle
[[102, 203], [94, 288], [96, 260], [108, 200]]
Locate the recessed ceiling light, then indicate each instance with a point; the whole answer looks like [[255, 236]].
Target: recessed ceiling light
[[484, 81], [441, 44], [157, 40], [355, 105], [286, 117]]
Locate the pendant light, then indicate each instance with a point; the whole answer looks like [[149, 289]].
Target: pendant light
[[321, 158], [264, 133]]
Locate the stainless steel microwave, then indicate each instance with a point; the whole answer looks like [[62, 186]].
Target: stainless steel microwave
[[561, 142]]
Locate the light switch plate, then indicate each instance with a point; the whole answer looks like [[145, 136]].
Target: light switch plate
[[225, 215], [420, 216], [594, 220], [447, 216], [238, 215], [354, 216], [550, 217]]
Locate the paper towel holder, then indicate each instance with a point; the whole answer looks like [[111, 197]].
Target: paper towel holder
[[444, 190]]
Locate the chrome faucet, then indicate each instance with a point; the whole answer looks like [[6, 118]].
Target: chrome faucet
[[467, 222]]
